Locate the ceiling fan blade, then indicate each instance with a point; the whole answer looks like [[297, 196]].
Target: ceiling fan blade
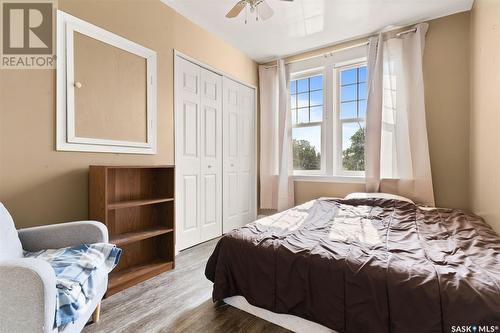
[[264, 10], [236, 9]]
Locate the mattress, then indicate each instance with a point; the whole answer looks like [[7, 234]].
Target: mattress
[[365, 265]]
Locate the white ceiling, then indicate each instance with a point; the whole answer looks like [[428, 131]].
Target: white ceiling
[[308, 24]]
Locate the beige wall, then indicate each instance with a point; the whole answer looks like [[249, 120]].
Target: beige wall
[[305, 191], [39, 185], [446, 77], [485, 111]]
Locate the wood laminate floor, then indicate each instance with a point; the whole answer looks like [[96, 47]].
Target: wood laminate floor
[[176, 301]]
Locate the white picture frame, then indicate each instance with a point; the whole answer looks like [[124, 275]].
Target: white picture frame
[[66, 139]]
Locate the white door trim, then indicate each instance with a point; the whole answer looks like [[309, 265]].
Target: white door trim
[[212, 69]]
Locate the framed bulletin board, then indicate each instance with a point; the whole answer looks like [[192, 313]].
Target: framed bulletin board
[[106, 90]]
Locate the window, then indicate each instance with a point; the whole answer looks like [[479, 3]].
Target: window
[[306, 105], [328, 110], [352, 111]]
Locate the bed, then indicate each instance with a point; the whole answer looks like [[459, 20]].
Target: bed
[[363, 265]]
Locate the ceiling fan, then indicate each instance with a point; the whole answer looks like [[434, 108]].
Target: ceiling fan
[[261, 9]]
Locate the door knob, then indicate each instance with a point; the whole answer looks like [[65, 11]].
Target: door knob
[[209, 166], [232, 164]]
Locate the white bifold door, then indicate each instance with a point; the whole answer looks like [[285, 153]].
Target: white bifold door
[[214, 154], [198, 128], [239, 184]]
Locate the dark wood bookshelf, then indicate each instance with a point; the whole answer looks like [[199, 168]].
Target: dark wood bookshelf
[[137, 205]]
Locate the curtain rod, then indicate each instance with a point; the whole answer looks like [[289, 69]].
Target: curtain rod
[[340, 49], [406, 32], [322, 54]]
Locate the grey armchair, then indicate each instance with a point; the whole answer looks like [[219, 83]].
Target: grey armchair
[[28, 286]]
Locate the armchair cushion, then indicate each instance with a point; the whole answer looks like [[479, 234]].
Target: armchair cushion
[[10, 245]]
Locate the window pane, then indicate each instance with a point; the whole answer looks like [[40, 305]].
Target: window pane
[[317, 113], [362, 91], [362, 108], [348, 93], [316, 98], [303, 85], [316, 82], [293, 87], [303, 100], [348, 110], [348, 76], [293, 101], [294, 116], [307, 148], [362, 74], [308, 95], [303, 115], [353, 146]]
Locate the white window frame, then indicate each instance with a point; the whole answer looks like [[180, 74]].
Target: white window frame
[[66, 138], [331, 142], [339, 170], [304, 75]]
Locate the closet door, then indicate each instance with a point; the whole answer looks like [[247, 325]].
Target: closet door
[[247, 159], [187, 153], [239, 184], [211, 155], [198, 154]]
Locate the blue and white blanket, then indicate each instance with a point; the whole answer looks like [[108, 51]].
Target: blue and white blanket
[[76, 268]]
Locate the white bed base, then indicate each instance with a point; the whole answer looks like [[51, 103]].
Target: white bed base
[[290, 322]]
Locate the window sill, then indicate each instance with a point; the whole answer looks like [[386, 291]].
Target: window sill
[[329, 179]]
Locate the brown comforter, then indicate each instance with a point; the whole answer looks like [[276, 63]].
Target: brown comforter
[[366, 265]]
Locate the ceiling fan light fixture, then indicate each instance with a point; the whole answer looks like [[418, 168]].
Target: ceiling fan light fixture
[[261, 9]]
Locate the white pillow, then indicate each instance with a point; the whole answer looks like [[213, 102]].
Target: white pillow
[[362, 195], [10, 245]]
